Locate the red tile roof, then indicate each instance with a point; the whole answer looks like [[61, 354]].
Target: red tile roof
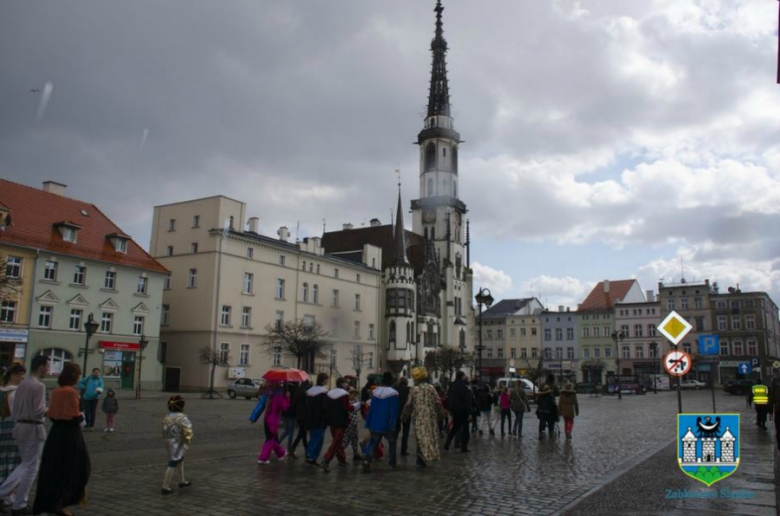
[[35, 213], [600, 301]]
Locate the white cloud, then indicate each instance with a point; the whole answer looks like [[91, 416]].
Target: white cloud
[[555, 291], [497, 281]]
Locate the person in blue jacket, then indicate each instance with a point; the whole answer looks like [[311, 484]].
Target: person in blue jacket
[[381, 420], [91, 388]]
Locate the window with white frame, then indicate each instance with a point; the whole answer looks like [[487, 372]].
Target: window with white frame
[[109, 282], [596, 331], [79, 275], [44, 317], [512, 333], [489, 335], [249, 280], [500, 334], [7, 311], [138, 325], [50, 271], [523, 353], [585, 352], [534, 353], [724, 347], [370, 332], [720, 305], [522, 332], [737, 347], [357, 302], [722, 323], [357, 329], [500, 352], [336, 273], [750, 322], [282, 260], [225, 317], [192, 278], [303, 268], [165, 318], [638, 330], [596, 352], [670, 304], [533, 332], [334, 357], [196, 221], [697, 303], [570, 353], [172, 225], [75, 319], [277, 357], [243, 357], [608, 352], [752, 347], [490, 352], [224, 352], [315, 294], [57, 358], [279, 320], [68, 234], [558, 333], [106, 322], [194, 248], [246, 317], [684, 303], [370, 360], [736, 322], [512, 352], [651, 330], [250, 252], [305, 293], [586, 333], [279, 288], [357, 278], [13, 267], [569, 333], [318, 268], [143, 285], [547, 334], [335, 299], [639, 351]]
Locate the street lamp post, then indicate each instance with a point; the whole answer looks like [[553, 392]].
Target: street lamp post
[[483, 297], [618, 336], [90, 327], [654, 351], [143, 342]]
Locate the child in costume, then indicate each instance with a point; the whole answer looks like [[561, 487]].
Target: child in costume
[[351, 435], [177, 432]]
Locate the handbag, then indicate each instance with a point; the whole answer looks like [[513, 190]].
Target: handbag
[[259, 408]]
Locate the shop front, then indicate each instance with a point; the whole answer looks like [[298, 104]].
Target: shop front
[[119, 363], [13, 346]]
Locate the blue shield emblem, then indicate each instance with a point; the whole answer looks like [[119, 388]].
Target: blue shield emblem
[[708, 445]]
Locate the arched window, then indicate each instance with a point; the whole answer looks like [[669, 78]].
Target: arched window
[[392, 332], [304, 265], [318, 268], [430, 156], [57, 357], [311, 267], [315, 294], [430, 187], [454, 159], [305, 292]]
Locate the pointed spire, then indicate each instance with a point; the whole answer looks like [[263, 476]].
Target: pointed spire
[[399, 249], [439, 96]]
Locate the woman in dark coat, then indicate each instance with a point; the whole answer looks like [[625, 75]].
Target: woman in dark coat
[[300, 415], [65, 466]]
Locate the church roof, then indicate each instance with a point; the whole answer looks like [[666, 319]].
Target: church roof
[[439, 95], [348, 243]]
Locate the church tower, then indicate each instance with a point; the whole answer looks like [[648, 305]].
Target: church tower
[[399, 301], [439, 214]]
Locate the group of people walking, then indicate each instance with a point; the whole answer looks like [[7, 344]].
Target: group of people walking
[[60, 459], [392, 409]]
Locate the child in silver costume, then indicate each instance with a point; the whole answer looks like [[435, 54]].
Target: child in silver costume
[[177, 432]]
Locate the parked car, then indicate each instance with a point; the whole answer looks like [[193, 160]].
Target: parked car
[[692, 384], [738, 387], [246, 387]]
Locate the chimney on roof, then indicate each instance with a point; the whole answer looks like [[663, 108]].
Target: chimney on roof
[[560, 308], [347, 226], [606, 286], [54, 187], [568, 309], [375, 222], [254, 225], [650, 296], [284, 233]]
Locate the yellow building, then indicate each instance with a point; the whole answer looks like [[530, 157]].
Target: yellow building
[[16, 287]]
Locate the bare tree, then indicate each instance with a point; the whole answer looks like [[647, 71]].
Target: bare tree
[[358, 359], [213, 358], [301, 339], [448, 360], [10, 286]]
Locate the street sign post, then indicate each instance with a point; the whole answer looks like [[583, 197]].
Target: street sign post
[[709, 345], [754, 362], [674, 327], [744, 368]]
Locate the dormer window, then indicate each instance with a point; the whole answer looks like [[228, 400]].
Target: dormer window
[[119, 241], [68, 230]]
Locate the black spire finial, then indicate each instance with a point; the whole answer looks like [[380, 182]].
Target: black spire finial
[[399, 247], [439, 96]]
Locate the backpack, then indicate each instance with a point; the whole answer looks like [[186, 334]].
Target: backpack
[[259, 408]]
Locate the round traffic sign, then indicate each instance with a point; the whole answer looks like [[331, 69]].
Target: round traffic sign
[[677, 363]]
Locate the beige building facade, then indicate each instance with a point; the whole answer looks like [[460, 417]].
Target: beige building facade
[[228, 283]]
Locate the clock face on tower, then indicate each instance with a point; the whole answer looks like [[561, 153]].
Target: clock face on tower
[[429, 215]]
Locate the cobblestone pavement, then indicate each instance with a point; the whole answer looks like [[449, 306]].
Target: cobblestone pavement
[[499, 476]]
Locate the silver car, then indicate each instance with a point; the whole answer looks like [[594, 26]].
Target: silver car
[[245, 387]]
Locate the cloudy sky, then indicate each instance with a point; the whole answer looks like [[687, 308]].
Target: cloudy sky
[[604, 138]]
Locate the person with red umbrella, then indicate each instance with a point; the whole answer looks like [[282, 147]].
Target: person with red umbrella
[[278, 402]]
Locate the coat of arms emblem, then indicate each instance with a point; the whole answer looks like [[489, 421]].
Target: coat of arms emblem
[[708, 445]]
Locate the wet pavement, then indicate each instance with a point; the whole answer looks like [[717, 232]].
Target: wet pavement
[[612, 439]]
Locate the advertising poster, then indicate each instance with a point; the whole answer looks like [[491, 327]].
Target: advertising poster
[[112, 364]]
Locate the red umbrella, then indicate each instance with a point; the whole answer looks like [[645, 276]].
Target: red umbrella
[[285, 374]]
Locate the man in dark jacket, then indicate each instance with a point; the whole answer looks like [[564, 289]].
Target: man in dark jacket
[[300, 416], [403, 427], [460, 402], [337, 417], [316, 403]]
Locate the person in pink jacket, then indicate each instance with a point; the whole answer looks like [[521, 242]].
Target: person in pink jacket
[[278, 402]]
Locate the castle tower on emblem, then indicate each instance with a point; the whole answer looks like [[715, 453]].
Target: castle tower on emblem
[[727, 446], [689, 446], [708, 446]]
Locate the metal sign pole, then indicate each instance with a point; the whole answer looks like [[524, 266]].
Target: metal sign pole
[[679, 394], [712, 385]]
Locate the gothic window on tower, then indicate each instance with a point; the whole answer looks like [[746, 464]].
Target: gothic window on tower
[[408, 333], [455, 160], [462, 343], [430, 156], [454, 188], [430, 187], [391, 332], [444, 152]]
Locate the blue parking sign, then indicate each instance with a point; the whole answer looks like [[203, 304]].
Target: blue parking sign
[[709, 345]]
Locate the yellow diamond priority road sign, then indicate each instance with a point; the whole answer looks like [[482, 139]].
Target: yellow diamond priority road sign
[[674, 327]]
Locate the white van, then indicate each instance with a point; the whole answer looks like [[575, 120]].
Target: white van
[[528, 386]]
